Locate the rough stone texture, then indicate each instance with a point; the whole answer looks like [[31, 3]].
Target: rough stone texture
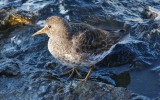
[[29, 72], [9, 69]]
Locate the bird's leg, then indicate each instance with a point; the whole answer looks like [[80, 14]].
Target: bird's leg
[[71, 72], [78, 73], [87, 76]]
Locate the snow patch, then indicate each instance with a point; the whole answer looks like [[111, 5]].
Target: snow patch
[[15, 40], [32, 5], [41, 23], [155, 12], [62, 9], [67, 17]]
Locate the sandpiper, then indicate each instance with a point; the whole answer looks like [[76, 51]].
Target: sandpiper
[[77, 45]]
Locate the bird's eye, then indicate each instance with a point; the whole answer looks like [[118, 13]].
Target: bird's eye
[[49, 26]]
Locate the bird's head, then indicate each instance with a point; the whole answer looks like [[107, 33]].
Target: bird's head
[[53, 25]]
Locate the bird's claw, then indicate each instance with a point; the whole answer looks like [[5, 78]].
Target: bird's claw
[[82, 80]]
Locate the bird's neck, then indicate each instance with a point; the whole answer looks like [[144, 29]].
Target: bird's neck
[[61, 35], [60, 42]]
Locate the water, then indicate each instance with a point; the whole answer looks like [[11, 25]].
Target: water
[[144, 82]]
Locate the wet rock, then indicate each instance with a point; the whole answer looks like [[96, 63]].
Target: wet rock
[[49, 89], [135, 96], [9, 69], [153, 13], [100, 91], [156, 69], [122, 80], [11, 54], [130, 52]]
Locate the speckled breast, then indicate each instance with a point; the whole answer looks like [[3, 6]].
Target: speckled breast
[[64, 54]]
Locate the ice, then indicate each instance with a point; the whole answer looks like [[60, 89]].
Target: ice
[[41, 23], [155, 12], [62, 9]]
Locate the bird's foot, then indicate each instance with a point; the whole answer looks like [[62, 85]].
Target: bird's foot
[[89, 73], [71, 72], [82, 80]]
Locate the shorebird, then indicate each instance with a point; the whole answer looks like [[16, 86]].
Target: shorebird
[[77, 45]]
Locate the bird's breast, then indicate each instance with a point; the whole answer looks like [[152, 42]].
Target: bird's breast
[[62, 52]]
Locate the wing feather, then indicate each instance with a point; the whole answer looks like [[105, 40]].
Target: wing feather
[[88, 39]]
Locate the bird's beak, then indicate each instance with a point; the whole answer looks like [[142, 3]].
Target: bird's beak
[[42, 31]]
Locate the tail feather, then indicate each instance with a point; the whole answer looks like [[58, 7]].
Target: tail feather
[[114, 37]]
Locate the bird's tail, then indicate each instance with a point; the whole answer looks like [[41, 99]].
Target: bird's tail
[[120, 33], [114, 37]]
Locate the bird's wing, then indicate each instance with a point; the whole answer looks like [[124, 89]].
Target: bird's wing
[[88, 39]]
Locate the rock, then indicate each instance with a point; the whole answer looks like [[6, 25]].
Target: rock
[[9, 69]]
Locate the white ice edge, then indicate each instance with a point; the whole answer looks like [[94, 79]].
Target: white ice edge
[[156, 11], [62, 9], [41, 23]]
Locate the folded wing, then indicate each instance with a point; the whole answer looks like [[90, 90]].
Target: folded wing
[[88, 39]]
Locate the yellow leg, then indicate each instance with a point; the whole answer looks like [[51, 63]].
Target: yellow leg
[[71, 72], [87, 76]]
